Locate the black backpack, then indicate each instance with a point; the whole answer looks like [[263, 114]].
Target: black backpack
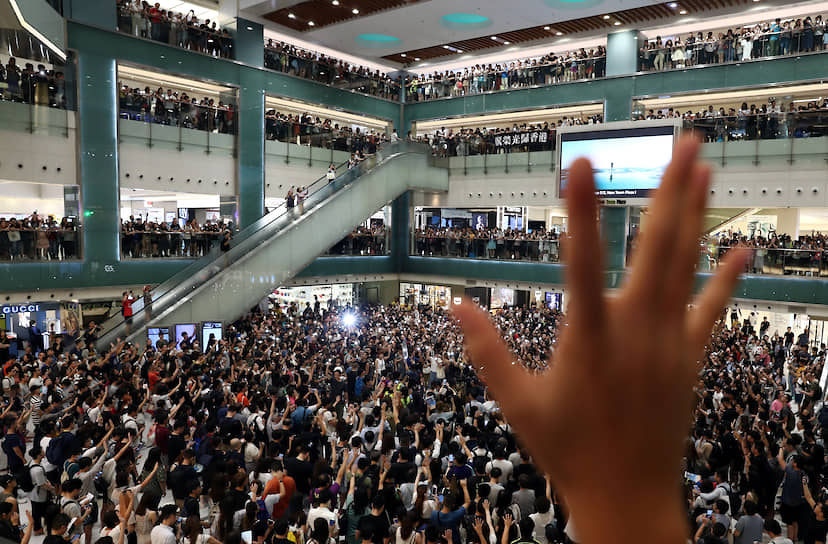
[[24, 478], [734, 499], [60, 448]]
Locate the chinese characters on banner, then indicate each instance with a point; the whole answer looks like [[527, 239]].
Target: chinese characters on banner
[[513, 139]]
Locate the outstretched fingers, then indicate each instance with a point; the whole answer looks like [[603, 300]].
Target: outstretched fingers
[[489, 353], [584, 251], [714, 297]]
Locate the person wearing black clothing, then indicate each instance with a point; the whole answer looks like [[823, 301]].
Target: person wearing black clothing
[[177, 442], [374, 526], [300, 469]]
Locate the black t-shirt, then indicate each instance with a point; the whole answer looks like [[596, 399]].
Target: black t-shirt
[[54, 539], [175, 445], [816, 532], [375, 526], [301, 472]]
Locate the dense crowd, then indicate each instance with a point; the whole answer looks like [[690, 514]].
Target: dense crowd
[[39, 85], [768, 39], [149, 20], [487, 243], [38, 238], [306, 64], [546, 70], [306, 129], [176, 109], [363, 241], [755, 122], [490, 141], [774, 253], [313, 422], [141, 238]]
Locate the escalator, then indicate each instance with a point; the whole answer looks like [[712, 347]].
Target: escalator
[[224, 286]]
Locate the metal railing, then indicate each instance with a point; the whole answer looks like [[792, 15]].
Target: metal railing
[[762, 125], [39, 244], [362, 244], [304, 64], [486, 246], [773, 261]]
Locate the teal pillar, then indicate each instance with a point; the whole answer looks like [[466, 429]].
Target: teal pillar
[[251, 137], [622, 53], [249, 42], [98, 130], [102, 13], [614, 232], [400, 230]]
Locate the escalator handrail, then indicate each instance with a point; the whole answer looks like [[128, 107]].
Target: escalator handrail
[[239, 247]]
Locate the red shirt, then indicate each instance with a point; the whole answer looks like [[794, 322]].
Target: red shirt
[[155, 15], [272, 488], [127, 305]]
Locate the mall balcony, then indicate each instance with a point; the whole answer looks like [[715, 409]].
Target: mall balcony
[[152, 143]]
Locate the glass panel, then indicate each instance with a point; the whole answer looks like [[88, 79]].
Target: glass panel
[[773, 261], [488, 244], [38, 239]]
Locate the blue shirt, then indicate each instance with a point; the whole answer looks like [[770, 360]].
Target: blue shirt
[[449, 521]]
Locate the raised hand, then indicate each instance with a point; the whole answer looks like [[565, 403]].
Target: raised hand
[[616, 401]]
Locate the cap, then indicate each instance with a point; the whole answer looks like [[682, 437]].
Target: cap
[[338, 369]]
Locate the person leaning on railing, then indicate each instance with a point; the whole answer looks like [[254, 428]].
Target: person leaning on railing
[[170, 108], [148, 239], [34, 238]]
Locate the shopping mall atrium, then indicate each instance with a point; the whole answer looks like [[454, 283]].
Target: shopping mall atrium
[[252, 252]]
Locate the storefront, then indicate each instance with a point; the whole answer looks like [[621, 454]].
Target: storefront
[[436, 296], [17, 320]]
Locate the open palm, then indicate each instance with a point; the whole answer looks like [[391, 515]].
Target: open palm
[[607, 420]]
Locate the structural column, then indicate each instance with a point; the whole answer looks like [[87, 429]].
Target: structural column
[[614, 232], [101, 13], [400, 230], [249, 47], [98, 161]]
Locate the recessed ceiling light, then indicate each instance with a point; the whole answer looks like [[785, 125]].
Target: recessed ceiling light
[[335, 2], [546, 28], [459, 50], [673, 5], [250, 28], [416, 58], [606, 17], [494, 37], [291, 16], [355, 11], [559, 33], [507, 43], [617, 23], [683, 12], [311, 23], [445, 47], [402, 55]]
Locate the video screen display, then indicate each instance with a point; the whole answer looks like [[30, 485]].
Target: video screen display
[[208, 328], [480, 221], [626, 163], [158, 333], [189, 328]]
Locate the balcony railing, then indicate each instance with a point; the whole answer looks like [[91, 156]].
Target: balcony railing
[[158, 243], [487, 247], [27, 244], [762, 125], [774, 261], [363, 244]]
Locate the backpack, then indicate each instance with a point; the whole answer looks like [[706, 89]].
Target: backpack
[[734, 499], [60, 448], [24, 478]]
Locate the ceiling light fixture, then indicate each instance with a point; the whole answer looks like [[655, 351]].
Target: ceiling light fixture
[[546, 28], [673, 5], [459, 50], [606, 17], [559, 33], [402, 55], [683, 12], [445, 47], [291, 16], [335, 2], [311, 23], [494, 38], [416, 59], [617, 23], [506, 43], [355, 11]]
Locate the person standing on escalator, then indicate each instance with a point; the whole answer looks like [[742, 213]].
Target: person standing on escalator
[[290, 199]]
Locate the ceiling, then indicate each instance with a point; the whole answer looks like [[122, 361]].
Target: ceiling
[[385, 30]]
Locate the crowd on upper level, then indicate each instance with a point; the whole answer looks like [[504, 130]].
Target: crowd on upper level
[[306, 64], [546, 70], [35, 237], [763, 121], [774, 253], [176, 109], [306, 129], [479, 242], [149, 20], [489, 141], [768, 39], [141, 238], [33, 85]]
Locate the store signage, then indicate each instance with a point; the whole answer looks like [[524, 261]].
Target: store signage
[[15, 308], [521, 138]]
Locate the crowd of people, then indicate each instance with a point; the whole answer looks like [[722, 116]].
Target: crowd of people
[[767, 39], [28, 84], [144, 239], [767, 121], [325, 69], [491, 141], [547, 70], [39, 238], [363, 241], [176, 109], [313, 423], [149, 20], [774, 253], [487, 243], [305, 129]]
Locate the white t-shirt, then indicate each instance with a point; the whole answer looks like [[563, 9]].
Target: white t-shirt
[[541, 521], [325, 513]]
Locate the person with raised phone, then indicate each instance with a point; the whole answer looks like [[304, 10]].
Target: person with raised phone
[[634, 356]]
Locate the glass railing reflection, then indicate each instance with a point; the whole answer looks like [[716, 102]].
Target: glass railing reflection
[[766, 124], [773, 261], [487, 247]]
